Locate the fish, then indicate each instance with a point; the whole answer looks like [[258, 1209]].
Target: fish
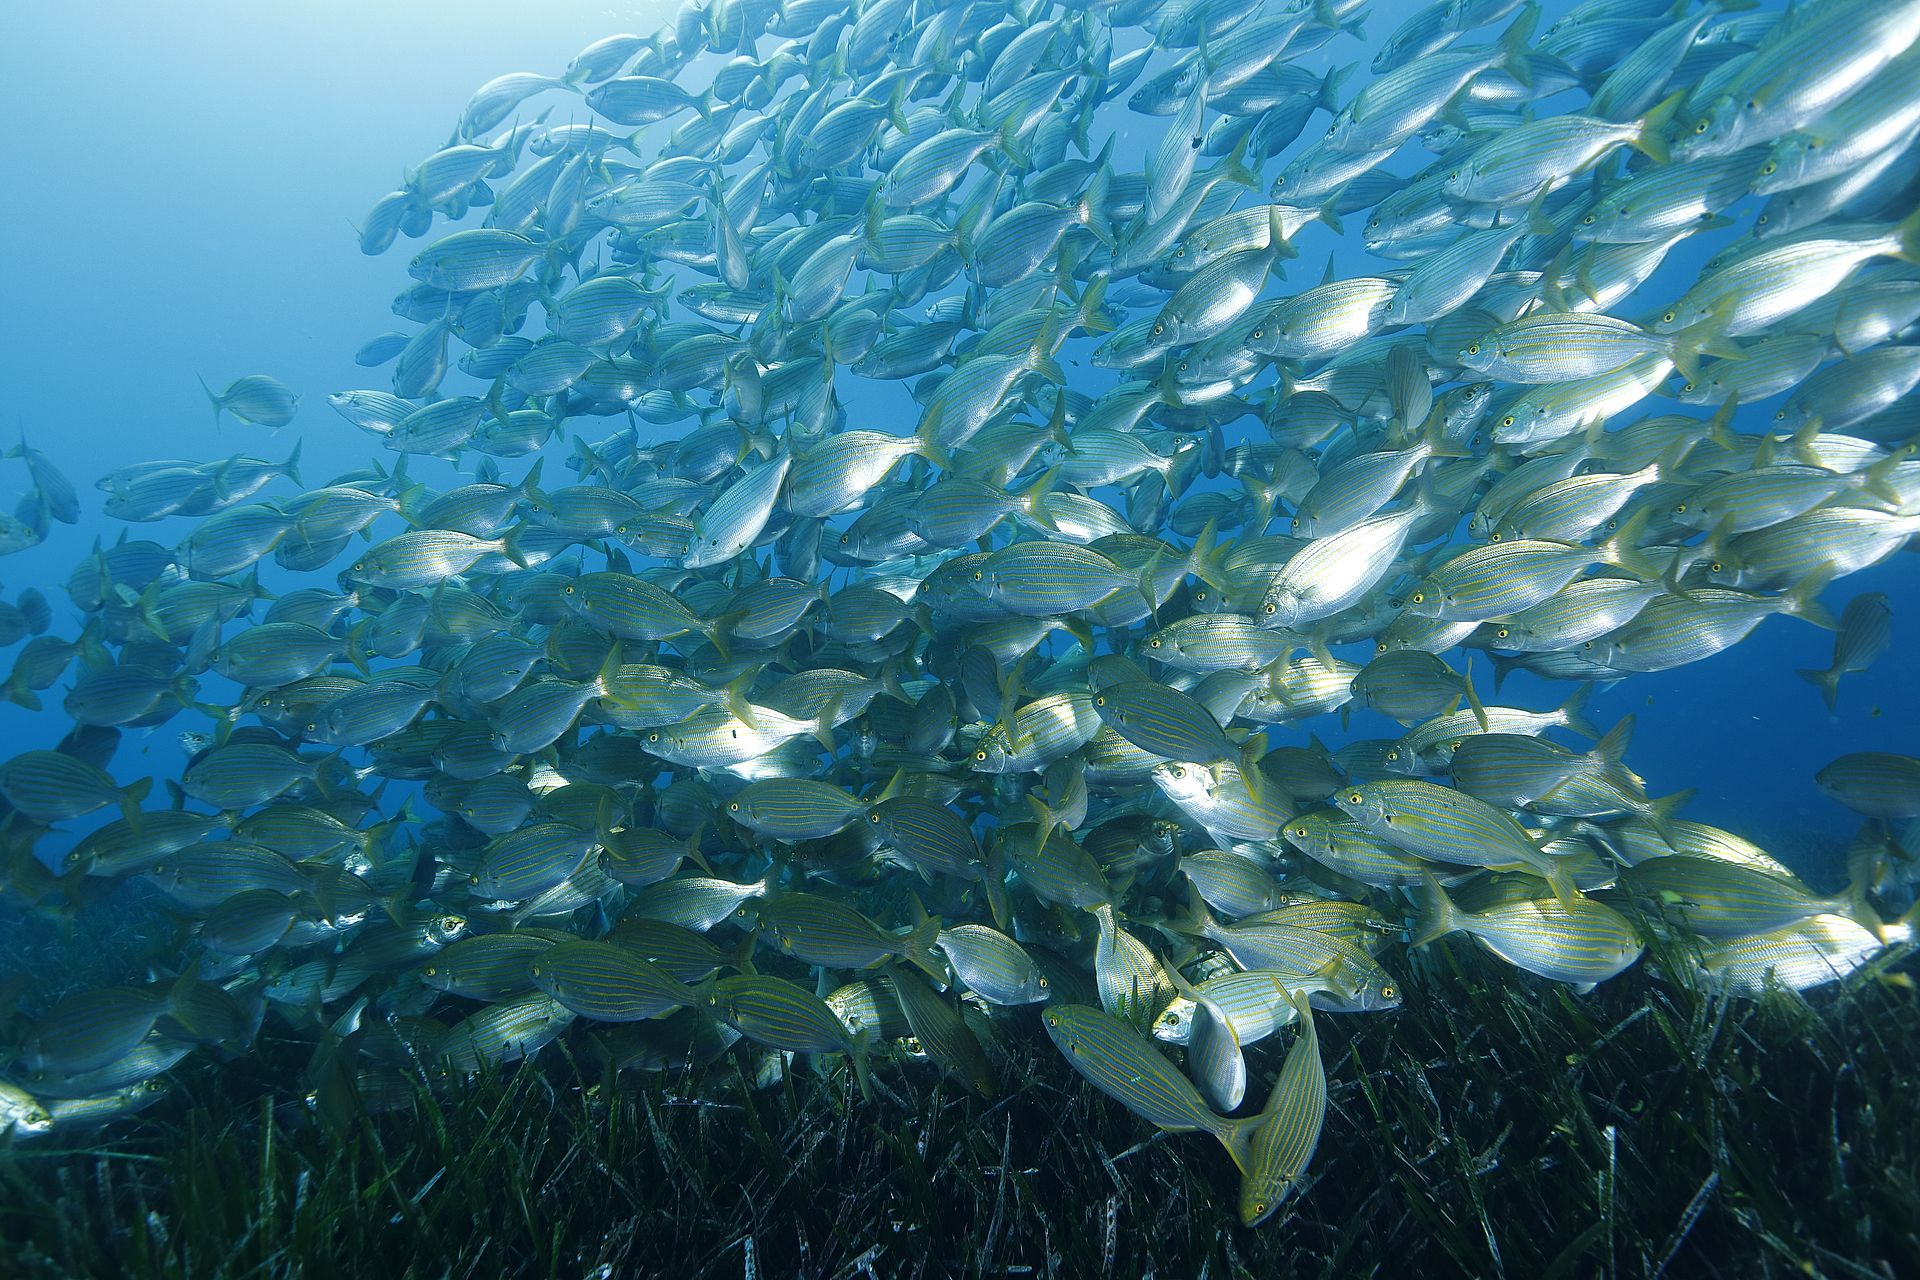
[[1877, 784], [1280, 1142], [1582, 942], [776, 1013], [656, 681], [1443, 825], [1866, 631], [258, 399]]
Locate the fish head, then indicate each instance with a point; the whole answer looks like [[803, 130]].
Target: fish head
[[1401, 306], [993, 753], [1365, 805], [1311, 837], [1280, 608], [1426, 600], [1509, 635], [1175, 1023], [1479, 355], [1523, 424], [1182, 782], [1716, 131], [1786, 164]]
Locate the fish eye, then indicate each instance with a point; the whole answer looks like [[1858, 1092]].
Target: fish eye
[[1259, 333], [980, 756], [1270, 608], [1668, 318], [1701, 127], [1493, 537], [429, 971], [1587, 221], [1354, 797], [1154, 643], [976, 575], [1099, 699], [1768, 168], [567, 590], [1760, 221], [1679, 508], [1418, 597], [1502, 633], [1687, 390], [1044, 983], [1393, 755], [1715, 567], [1158, 328], [653, 737], [1507, 421], [733, 807], [1473, 348], [1387, 991]]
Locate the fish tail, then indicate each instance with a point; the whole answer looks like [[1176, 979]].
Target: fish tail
[[1560, 880], [1328, 98], [212, 399], [1650, 138], [993, 882], [1907, 238], [1438, 915], [1827, 681], [1516, 45], [1623, 549], [918, 950], [1803, 602], [1706, 336], [1613, 747], [1573, 713], [857, 1053], [1091, 315], [510, 545], [130, 798], [1660, 813], [1474, 704], [1237, 1136]]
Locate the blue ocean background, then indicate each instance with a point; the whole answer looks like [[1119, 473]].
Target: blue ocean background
[[183, 181]]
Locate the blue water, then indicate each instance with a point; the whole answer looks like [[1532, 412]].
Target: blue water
[[181, 186]]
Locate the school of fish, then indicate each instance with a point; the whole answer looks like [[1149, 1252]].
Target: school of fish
[[806, 664]]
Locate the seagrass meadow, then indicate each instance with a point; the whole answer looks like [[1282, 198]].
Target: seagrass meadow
[[1493, 1126]]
